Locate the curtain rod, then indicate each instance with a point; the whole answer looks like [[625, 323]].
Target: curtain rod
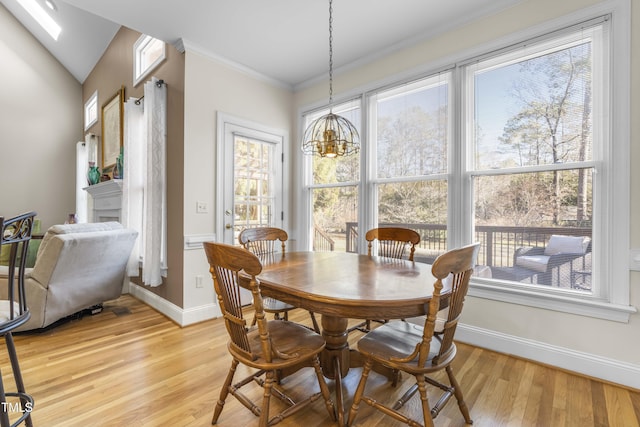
[[159, 84]]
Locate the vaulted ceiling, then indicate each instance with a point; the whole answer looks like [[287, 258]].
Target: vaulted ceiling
[[284, 40]]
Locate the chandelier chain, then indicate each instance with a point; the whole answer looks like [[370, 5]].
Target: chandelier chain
[[330, 54], [331, 135]]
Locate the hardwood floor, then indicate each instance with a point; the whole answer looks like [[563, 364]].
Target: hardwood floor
[[131, 366]]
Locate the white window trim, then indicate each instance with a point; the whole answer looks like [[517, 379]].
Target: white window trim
[[91, 104], [139, 46], [615, 199], [613, 204]]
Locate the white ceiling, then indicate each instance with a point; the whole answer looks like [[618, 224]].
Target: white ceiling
[[284, 40]]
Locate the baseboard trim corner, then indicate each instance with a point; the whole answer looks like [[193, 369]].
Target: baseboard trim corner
[[177, 314]]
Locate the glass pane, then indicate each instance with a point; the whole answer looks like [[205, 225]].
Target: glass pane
[[421, 206], [536, 111], [411, 129], [338, 169], [151, 53], [335, 216], [516, 217], [253, 183]]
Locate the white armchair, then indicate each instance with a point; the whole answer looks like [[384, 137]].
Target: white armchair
[[77, 266]]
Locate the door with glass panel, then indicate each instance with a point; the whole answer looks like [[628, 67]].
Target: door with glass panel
[[252, 192]]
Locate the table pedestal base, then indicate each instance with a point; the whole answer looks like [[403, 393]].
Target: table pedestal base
[[337, 358]]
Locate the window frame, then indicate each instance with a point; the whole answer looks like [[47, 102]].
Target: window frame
[[91, 108], [139, 48], [307, 183], [610, 223]]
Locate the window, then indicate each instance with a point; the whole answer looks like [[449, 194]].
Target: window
[[148, 53], [91, 111], [256, 181], [334, 192], [535, 112], [409, 137], [513, 149]]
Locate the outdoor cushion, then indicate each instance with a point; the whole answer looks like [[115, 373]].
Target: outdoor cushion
[[533, 262], [567, 245]]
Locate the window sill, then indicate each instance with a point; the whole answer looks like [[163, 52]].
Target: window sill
[[557, 302]]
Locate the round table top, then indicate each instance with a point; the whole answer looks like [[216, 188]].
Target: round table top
[[349, 285]]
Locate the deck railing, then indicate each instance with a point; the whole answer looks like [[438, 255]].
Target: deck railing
[[498, 243], [322, 242]]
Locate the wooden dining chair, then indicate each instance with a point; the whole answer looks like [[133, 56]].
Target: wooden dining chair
[[392, 242], [264, 242], [15, 233], [420, 351], [271, 347]]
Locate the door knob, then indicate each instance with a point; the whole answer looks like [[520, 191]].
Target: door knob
[[228, 226]]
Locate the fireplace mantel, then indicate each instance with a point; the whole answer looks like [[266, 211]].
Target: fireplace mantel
[[107, 200]]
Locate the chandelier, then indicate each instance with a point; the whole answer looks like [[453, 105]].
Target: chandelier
[[331, 135]]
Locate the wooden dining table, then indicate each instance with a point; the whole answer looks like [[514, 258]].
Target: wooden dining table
[[341, 286]]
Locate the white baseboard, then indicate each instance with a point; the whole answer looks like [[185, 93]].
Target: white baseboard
[[179, 315], [610, 370]]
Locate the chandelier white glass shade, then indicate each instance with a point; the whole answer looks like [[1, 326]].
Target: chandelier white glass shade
[[331, 135]]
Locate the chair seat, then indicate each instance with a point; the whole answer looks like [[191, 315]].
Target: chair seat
[[5, 310], [289, 338], [273, 305], [7, 324], [398, 339]]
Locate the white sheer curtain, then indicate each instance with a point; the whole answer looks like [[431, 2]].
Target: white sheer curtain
[[133, 182], [82, 165], [144, 186]]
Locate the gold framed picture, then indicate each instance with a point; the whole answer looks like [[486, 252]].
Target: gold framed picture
[[112, 129]]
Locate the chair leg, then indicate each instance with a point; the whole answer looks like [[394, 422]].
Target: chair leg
[[458, 393], [426, 408], [224, 392], [316, 327], [266, 398], [4, 413], [17, 375], [324, 389], [357, 397]]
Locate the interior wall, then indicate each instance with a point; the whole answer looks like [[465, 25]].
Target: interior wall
[[607, 340], [211, 88], [114, 70], [40, 123]]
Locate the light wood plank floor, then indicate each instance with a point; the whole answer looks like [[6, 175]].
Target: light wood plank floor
[[131, 366]]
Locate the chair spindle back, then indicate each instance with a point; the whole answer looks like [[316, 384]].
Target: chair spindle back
[[226, 262], [263, 240], [393, 241], [452, 270]]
